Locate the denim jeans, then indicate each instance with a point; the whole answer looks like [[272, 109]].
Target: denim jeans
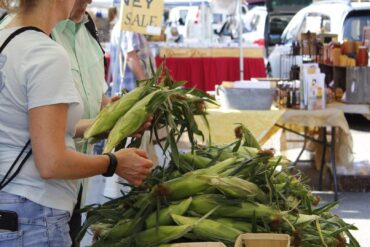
[[39, 226]]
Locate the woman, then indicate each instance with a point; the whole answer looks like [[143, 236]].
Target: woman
[[38, 101]]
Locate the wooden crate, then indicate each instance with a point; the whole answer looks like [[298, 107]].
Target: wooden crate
[[263, 240], [201, 244], [358, 85]]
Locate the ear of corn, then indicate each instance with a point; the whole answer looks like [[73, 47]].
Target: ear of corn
[[109, 115], [230, 208], [246, 134], [134, 118], [248, 151], [123, 228], [302, 218], [191, 183], [100, 229], [237, 187], [161, 235], [182, 187], [237, 224], [218, 167], [164, 215], [199, 162], [209, 228]]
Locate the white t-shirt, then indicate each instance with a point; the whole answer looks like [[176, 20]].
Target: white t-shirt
[[34, 71]]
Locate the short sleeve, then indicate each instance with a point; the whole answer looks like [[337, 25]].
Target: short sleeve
[[47, 76], [136, 42], [132, 42]]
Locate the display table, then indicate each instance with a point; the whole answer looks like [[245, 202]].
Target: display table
[[223, 122], [204, 68], [262, 125], [362, 109]]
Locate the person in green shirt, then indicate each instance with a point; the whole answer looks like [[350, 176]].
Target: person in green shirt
[[87, 61]]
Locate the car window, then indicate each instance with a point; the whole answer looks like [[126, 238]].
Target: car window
[[253, 23], [291, 31], [217, 18], [315, 23], [183, 14], [278, 23], [354, 25]]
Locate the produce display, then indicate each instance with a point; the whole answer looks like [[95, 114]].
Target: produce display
[[211, 193]]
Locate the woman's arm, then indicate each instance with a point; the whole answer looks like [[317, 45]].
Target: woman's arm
[[55, 161], [134, 63]]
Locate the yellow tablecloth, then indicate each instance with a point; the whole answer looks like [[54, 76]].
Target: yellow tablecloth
[[329, 117], [262, 125], [223, 122]]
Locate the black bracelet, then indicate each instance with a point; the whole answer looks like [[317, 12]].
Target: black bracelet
[[112, 165]]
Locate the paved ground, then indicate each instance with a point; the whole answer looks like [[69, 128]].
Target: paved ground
[[354, 208]]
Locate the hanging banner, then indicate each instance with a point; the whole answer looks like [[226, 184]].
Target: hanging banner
[[142, 16]]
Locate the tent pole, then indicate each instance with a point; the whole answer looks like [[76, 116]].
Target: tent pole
[[239, 6]]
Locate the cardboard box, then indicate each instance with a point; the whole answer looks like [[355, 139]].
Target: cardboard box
[[312, 88], [358, 85], [263, 240], [202, 244], [247, 240], [308, 43]]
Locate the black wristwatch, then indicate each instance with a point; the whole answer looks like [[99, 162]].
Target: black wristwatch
[[112, 165]]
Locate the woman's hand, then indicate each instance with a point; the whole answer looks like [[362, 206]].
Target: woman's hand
[[114, 98], [133, 165], [142, 128]]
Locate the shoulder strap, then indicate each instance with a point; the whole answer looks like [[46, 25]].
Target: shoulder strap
[[8, 176], [3, 16], [7, 180], [90, 26], [17, 32]]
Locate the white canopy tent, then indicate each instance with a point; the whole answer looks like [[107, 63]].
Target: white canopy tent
[[168, 3], [225, 6]]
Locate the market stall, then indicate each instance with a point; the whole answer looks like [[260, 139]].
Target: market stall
[[193, 195]]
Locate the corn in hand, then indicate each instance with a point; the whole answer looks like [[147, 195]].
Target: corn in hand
[[134, 118], [107, 117]]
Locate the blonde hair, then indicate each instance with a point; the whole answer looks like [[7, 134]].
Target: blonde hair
[[18, 5]]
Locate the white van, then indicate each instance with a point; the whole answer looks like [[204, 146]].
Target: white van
[[188, 21]]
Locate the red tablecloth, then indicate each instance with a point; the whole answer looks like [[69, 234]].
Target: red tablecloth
[[206, 72]]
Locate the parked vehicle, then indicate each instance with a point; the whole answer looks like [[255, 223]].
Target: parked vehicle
[[179, 17], [254, 26], [264, 28], [343, 18], [263, 21], [190, 20]]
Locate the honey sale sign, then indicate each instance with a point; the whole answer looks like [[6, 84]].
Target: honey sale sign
[[142, 16]]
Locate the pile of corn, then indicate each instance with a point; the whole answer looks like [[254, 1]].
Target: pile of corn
[[216, 194]]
